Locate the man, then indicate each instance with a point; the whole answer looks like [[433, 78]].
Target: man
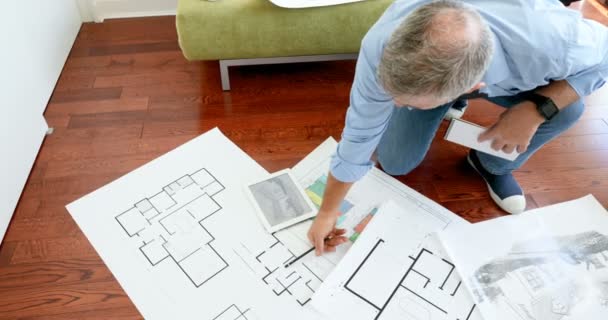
[[535, 58]]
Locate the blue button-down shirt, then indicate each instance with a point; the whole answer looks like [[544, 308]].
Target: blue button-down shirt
[[536, 41]]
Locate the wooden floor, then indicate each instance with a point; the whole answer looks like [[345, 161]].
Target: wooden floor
[[127, 96]]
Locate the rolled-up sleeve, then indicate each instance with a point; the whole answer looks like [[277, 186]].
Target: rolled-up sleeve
[[366, 119], [588, 57]]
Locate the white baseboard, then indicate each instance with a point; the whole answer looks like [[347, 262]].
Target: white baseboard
[[135, 14], [99, 10]]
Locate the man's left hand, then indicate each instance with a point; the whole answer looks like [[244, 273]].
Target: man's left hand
[[514, 129]]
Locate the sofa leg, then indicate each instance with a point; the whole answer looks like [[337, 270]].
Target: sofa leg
[[224, 64], [224, 75]]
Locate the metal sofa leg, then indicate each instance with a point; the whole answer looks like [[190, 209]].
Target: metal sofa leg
[[224, 75], [224, 64]]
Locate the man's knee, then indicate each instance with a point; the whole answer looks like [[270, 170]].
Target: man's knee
[[397, 166], [570, 115]]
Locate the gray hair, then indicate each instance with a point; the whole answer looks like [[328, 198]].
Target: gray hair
[[442, 48]]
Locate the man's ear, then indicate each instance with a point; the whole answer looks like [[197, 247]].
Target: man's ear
[[477, 87]]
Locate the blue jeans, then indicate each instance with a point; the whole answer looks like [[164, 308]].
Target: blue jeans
[[410, 132]]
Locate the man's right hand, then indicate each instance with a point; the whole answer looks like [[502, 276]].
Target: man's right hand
[[323, 233]]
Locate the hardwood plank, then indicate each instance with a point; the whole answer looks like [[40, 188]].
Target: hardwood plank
[[68, 82], [572, 160], [92, 107], [108, 148], [55, 249], [27, 205], [130, 64], [145, 79], [128, 30], [58, 114], [133, 48], [6, 253], [115, 166], [107, 119], [254, 126], [119, 313], [53, 274], [45, 207], [23, 229], [57, 121], [546, 198], [66, 136], [55, 193], [57, 300], [86, 94], [475, 210], [541, 180], [568, 144]]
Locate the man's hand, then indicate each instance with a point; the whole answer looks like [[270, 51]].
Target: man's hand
[[323, 233], [514, 129]]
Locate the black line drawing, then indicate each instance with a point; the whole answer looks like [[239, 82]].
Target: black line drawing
[[233, 312], [170, 225], [300, 280], [429, 282]]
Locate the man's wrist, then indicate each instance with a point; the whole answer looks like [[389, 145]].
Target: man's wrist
[[327, 216], [532, 111]]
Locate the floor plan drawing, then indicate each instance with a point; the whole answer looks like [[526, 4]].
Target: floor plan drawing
[[233, 312], [430, 288], [546, 264], [184, 241], [300, 280], [392, 274], [170, 231], [170, 225]]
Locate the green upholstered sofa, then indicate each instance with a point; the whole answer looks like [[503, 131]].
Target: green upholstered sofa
[[245, 32]]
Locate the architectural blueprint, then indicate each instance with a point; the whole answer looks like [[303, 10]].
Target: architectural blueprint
[[546, 264], [397, 270], [183, 241], [300, 281]]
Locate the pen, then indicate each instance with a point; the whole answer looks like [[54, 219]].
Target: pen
[[303, 254], [299, 257]]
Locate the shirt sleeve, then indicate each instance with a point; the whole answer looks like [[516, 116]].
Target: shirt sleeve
[[588, 57], [366, 118]]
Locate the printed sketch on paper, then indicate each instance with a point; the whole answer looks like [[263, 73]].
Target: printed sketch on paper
[[551, 274]]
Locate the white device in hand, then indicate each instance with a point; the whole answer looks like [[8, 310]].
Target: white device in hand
[[466, 133]]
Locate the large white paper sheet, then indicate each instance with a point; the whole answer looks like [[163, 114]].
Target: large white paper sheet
[[546, 264], [296, 4], [397, 270], [183, 241]]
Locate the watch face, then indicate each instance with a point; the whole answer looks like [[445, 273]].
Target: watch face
[[549, 109]]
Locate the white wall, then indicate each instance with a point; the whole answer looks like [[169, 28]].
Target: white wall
[[98, 10], [37, 36]]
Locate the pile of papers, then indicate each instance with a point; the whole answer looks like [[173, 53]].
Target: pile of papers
[[181, 236], [549, 263]]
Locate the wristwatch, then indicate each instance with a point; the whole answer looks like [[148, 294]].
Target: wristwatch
[[544, 105]]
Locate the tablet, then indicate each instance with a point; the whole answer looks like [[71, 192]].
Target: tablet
[[279, 201]]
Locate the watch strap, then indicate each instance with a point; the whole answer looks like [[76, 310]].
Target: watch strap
[[544, 105]]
